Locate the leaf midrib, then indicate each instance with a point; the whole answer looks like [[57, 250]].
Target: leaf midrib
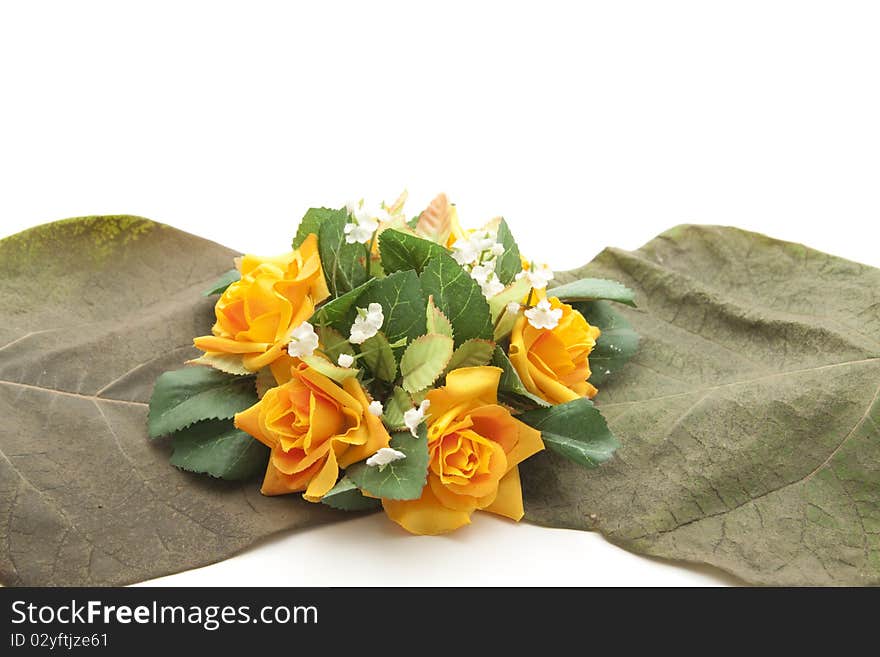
[[77, 395], [737, 383]]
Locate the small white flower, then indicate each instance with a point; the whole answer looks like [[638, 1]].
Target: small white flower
[[482, 273], [367, 323], [465, 252], [543, 316], [365, 223], [538, 276], [375, 408], [485, 275], [497, 249], [492, 287], [513, 308], [358, 233], [484, 240], [303, 341], [375, 315], [345, 360], [384, 456], [415, 416]]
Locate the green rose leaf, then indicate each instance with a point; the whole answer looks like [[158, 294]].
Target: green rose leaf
[[510, 383], [228, 363], [400, 251], [472, 353], [346, 496], [437, 321], [311, 222], [333, 343], [328, 369], [264, 382], [219, 286], [509, 263], [184, 397], [397, 404], [424, 360], [586, 289], [459, 297], [403, 305], [399, 480], [516, 291], [377, 354], [576, 430], [615, 346], [345, 265], [340, 312], [217, 448]]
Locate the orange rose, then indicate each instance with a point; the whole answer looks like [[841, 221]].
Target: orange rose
[[313, 428], [475, 446], [554, 363], [256, 314]]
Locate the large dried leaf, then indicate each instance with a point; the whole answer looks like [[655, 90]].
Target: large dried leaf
[[94, 310], [748, 419]]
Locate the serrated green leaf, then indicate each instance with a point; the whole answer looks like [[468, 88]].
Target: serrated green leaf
[[183, 397], [217, 448], [510, 382], [400, 480], [339, 312], [228, 363], [378, 356], [424, 360], [328, 369], [588, 289], [346, 496], [264, 381], [403, 305], [437, 321], [395, 406], [400, 251], [472, 353], [311, 223], [615, 346], [345, 265], [576, 430], [459, 297], [516, 291], [219, 286], [333, 343], [509, 263]]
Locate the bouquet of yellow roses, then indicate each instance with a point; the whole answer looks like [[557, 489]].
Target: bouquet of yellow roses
[[407, 363]]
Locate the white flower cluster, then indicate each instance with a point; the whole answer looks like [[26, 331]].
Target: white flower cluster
[[365, 222], [415, 416], [538, 277], [302, 341], [543, 315], [367, 323], [478, 254], [384, 456]]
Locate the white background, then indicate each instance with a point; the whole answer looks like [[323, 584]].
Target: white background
[[585, 124]]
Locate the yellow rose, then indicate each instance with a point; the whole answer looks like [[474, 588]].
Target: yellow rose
[[255, 314], [554, 363], [475, 447], [313, 428]]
